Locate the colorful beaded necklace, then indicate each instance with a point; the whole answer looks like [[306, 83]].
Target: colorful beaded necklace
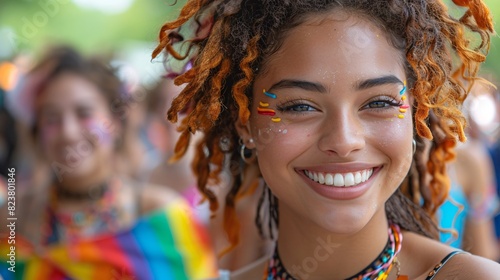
[[379, 269], [101, 215]]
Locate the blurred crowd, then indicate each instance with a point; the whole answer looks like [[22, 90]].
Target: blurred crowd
[[93, 157]]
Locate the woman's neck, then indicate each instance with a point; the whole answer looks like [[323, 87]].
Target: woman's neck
[[85, 195], [76, 218], [75, 194], [83, 184], [311, 252]]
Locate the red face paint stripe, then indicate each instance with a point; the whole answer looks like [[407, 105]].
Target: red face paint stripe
[[266, 113]]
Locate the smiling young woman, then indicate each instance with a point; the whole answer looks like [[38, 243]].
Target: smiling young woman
[[326, 103]]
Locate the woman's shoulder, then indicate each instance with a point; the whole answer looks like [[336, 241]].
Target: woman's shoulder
[[423, 258], [467, 266], [460, 265], [154, 197]]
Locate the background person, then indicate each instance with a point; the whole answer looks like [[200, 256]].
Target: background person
[[76, 108]]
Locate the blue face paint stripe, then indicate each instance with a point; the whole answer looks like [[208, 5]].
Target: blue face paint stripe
[[268, 94]]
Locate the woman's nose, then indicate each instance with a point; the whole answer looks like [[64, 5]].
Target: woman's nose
[[342, 135], [70, 128]]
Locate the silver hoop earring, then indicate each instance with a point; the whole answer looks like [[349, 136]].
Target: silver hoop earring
[[414, 145], [247, 155]]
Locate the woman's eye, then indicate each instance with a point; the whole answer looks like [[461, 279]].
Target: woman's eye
[[296, 108], [50, 119], [377, 104], [301, 108]]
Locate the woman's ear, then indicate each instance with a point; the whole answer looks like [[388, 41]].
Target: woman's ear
[[245, 133]]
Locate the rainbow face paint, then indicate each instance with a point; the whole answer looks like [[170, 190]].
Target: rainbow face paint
[[403, 108], [402, 90], [268, 94], [266, 112], [263, 107]]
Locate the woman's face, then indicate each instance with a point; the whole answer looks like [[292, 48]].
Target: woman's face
[[333, 132], [76, 127]]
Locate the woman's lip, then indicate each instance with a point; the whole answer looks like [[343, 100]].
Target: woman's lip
[[340, 193], [339, 168]]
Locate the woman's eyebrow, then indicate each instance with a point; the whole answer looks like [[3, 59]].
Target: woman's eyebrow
[[306, 85], [384, 80], [317, 87]]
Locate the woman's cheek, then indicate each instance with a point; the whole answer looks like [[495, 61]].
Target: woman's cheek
[[268, 135], [278, 143], [100, 130], [394, 138], [48, 134]]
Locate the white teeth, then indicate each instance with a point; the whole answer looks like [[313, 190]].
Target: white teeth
[[349, 179], [340, 179], [357, 178], [328, 179], [321, 178]]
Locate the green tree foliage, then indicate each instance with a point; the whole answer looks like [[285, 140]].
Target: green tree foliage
[[38, 23]]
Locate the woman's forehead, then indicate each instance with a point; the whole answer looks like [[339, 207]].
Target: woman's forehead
[[70, 88], [353, 31], [330, 49]]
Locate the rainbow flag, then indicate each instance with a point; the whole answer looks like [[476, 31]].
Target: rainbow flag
[[167, 244]]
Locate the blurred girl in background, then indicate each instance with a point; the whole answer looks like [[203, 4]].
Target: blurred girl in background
[[77, 108]]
